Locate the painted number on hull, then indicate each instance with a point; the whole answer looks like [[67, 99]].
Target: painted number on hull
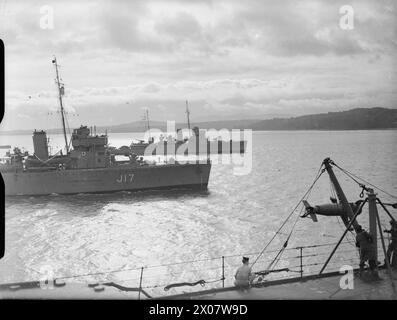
[[127, 177]]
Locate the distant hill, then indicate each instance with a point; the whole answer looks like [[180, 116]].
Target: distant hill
[[135, 126], [141, 126], [355, 119]]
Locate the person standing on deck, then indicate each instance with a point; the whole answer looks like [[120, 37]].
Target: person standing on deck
[[391, 250], [365, 242], [243, 276]]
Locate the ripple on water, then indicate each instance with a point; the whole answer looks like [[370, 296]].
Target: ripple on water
[[87, 233]]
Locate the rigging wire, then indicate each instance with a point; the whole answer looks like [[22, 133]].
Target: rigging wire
[[279, 255], [168, 264], [49, 159], [349, 241], [319, 173], [69, 132], [276, 260], [97, 273], [355, 177]]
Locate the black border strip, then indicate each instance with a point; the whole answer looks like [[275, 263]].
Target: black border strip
[[2, 107]]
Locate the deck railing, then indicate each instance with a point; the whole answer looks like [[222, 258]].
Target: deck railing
[[218, 272]]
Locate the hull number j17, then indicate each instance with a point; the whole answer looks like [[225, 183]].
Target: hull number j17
[[127, 177]]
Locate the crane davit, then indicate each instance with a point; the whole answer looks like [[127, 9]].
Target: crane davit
[[349, 212]]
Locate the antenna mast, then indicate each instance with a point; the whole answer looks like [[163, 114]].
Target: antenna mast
[[61, 92], [187, 114], [148, 123]]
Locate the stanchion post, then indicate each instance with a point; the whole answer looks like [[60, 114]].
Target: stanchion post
[[301, 261], [223, 271], [140, 285]]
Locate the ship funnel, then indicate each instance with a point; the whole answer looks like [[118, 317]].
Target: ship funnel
[[40, 144]]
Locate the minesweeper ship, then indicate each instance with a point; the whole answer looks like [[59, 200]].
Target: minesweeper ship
[[198, 143], [90, 166]]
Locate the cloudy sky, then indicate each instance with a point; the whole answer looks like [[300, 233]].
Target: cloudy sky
[[230, 59]]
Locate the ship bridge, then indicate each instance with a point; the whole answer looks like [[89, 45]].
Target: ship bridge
[[89, 151], [82, 139]]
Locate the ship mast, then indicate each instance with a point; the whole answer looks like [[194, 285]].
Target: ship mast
[[61, 92], [187, 115], [148, 123]]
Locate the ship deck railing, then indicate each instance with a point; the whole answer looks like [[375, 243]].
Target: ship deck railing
[[217, 273]]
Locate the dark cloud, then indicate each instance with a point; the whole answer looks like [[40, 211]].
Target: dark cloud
[[118, 27], [229, 58]]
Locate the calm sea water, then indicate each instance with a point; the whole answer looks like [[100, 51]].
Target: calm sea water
[[82, 234]]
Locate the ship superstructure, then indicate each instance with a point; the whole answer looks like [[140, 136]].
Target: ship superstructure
[[89, 165], [195, 143]]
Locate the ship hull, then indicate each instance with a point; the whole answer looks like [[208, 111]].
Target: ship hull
[[112, 179]]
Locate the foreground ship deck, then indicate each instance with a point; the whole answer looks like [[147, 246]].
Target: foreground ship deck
[[306, 288]]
